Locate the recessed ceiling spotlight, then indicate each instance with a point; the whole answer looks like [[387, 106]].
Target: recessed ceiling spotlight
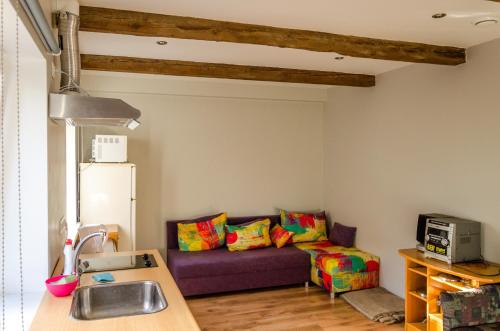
[[485, 21], [338, 58], [439, 15], [162, 42]]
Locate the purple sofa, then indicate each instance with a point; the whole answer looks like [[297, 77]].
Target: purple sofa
[[219, 270]]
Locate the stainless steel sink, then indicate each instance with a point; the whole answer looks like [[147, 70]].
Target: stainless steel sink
[[114, 300]]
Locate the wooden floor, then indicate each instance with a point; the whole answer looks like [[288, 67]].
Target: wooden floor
[[290, 308]]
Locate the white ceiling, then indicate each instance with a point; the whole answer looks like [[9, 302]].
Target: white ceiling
[[219, 52], [408, 20]]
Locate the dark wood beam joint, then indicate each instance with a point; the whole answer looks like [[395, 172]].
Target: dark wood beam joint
[[107, 20], [218, 70]]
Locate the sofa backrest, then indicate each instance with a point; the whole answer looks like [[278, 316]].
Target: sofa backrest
[[171, 227]]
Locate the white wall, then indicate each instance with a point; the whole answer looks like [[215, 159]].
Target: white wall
[[425, 139], [56, 192], [211, 145]]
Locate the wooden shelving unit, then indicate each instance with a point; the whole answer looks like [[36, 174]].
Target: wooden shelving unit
[[416, 326], [419, 270], [435, 321], [456, 285], [423, 314], [418, 296]]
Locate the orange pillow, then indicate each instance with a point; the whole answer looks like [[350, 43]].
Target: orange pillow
[[280, 236]]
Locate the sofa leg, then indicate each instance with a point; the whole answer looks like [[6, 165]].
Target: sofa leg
[[306, 284]]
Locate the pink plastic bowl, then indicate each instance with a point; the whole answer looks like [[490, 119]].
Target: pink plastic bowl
[[60, 290]]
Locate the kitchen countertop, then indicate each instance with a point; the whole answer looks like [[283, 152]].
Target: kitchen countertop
[[53, 313]]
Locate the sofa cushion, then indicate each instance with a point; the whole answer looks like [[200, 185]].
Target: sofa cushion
[[171, 226], [305, 226], [337, 259], [341, 269], [342, 235], [280, 236], [222, 262], [203, 234], [245, 281], [248, 236]]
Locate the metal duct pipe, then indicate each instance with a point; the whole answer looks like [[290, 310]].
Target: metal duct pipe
[[68, 24], [73, 107]]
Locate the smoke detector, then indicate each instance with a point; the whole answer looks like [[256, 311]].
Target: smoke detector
[[439, 15], [484, 22]]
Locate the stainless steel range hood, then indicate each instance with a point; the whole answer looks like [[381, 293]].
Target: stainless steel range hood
[[71, 105], [80, 110]]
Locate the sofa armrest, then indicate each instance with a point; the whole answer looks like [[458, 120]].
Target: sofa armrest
[[471, 308]]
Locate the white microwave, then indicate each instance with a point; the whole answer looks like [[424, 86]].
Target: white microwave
[[109, 148]]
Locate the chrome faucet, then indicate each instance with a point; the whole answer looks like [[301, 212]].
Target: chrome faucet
[[76, 259]]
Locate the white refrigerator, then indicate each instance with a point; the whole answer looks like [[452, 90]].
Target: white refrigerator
[[107, 196]]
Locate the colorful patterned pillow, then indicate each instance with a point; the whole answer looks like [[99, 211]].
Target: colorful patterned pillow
[[464, 309], [248, 236], [202, 235], [280, 236], [305, 226]]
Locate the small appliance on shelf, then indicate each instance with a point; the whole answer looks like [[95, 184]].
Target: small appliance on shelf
[[449, 239], [109, 148], [422, 223]]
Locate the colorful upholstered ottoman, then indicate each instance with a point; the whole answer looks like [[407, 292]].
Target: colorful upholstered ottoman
[[340, 269]]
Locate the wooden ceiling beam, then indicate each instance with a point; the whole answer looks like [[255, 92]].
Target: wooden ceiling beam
[[107, 20], [217, 70]]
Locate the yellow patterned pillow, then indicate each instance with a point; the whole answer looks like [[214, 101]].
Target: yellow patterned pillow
[[248, 236], [305, 226], [203, 235]]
